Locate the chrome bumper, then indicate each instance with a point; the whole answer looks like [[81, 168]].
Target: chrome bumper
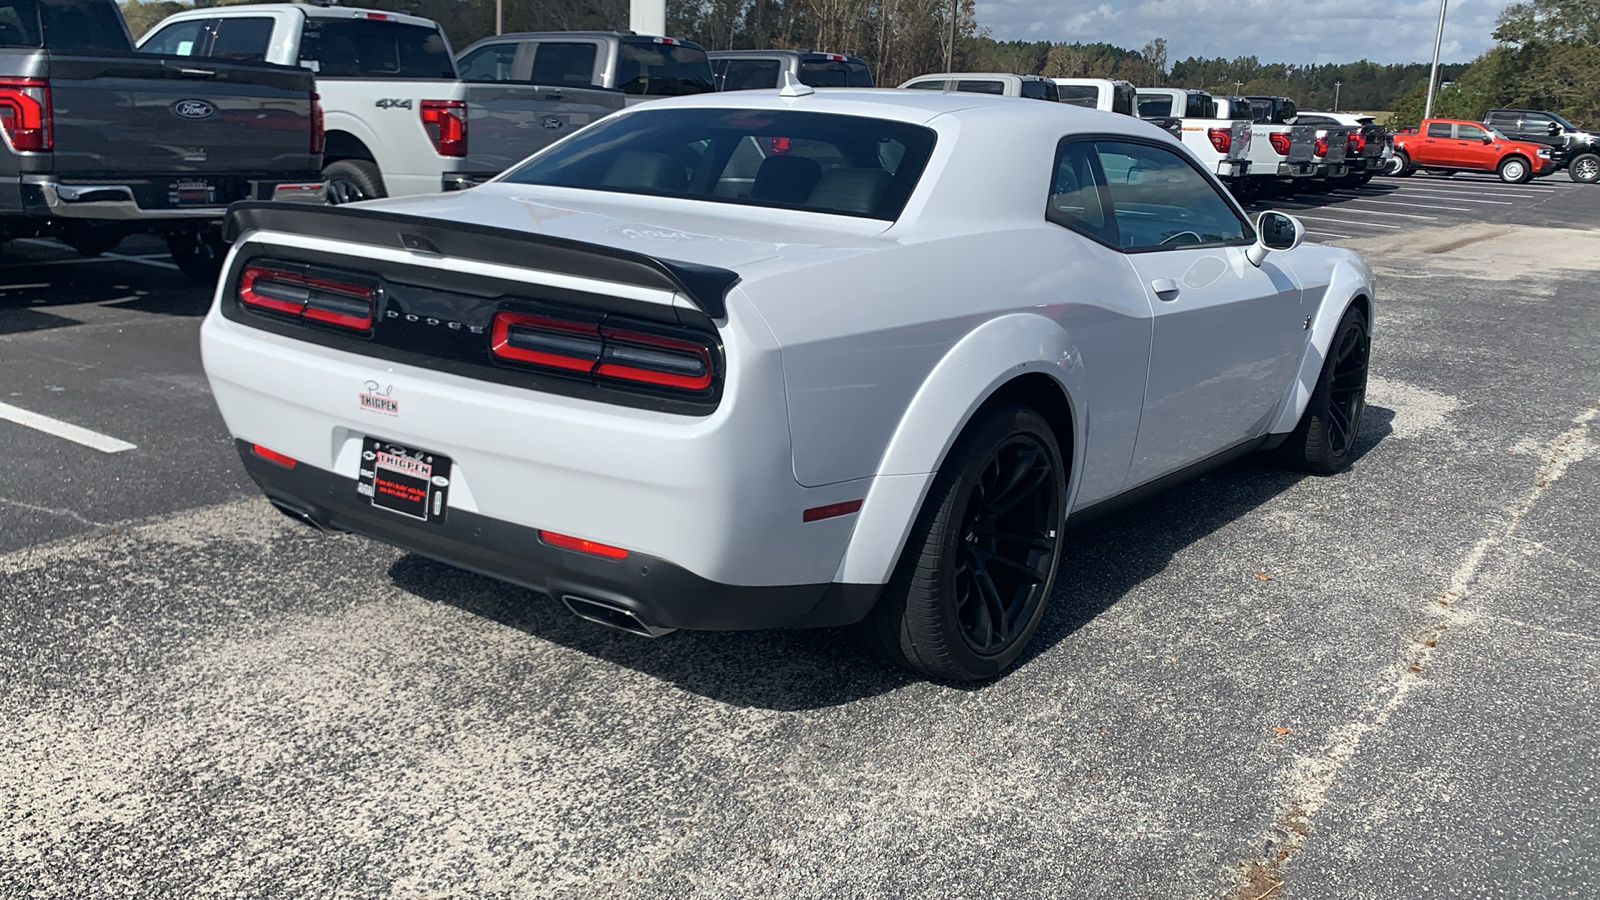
[[116, 201]]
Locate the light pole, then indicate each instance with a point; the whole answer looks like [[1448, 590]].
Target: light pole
[[1336, 95], [1433, 74], [499, 16], [950, 48]]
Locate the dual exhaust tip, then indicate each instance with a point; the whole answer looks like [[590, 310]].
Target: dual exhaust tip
[[600, 612]]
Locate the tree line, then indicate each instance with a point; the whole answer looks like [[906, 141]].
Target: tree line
[[1548, 55]]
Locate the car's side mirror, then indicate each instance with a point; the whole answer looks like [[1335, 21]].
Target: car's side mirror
[[1488, 139], [1274, 231]]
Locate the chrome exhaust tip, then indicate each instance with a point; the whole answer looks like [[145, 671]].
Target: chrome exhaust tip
[[612, 615], [299, 515]]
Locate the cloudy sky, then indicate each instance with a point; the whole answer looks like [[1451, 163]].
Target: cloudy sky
[[1292, 31]]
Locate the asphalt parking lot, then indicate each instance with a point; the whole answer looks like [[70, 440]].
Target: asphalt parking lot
[[1373, 685]]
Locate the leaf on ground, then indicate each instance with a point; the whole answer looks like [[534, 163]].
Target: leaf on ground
[[1281, 732], [1262, 576]]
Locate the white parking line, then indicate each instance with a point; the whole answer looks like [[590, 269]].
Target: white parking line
[[159, 260], [1411, 205], [1513, 189], [1451, 197], [1346, 222], [1329, 234], [93, 439]]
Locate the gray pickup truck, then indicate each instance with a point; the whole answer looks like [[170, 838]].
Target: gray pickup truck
[[101, 142]]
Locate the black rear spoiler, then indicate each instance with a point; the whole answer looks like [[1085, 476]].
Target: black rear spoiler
[[706, 286]]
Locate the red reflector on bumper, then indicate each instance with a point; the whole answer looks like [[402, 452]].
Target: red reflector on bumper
[[831, 510], [566, 542], [272, 456]]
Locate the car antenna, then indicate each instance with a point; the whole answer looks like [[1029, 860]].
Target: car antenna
[[792, 87]]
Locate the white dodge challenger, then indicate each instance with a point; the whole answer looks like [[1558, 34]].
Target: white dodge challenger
[[786, 359]]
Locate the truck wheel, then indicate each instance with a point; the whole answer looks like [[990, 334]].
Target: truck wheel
[[198, 254], [1401, 166], [91, 238], [352, 180], [1514, 170], [1585, 168], [980, 562]]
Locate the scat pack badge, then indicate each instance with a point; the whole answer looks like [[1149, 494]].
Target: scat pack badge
[[378, 399]]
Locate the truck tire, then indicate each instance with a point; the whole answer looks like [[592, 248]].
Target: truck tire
[[1584, 168], [351, 180], [198, 254], [1515, 170], [1401, 167], [91, 238]]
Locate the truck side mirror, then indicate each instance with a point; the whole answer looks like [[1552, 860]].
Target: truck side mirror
[[1554, 129], [1274, 231]]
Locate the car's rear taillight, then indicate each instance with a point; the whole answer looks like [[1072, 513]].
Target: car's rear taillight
[[1356, 143], [319, 135], [273, 456], [1280, 142], [606, 352], [446, 124], [567, 542], [1221, 139], [25, 113], [316, 298], [1322, 146]]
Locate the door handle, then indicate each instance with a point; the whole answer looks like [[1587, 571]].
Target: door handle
[[1165, 288], [196, 73]]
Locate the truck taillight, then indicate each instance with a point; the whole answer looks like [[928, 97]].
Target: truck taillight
[[446, 124], [609, 354], [319, 136], [1322, 146], [1221, 139], [25, 113], [330, 301], [1356, 143], [1280, 142]]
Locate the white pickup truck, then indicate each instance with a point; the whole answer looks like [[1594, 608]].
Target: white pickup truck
[[1110, 95], [1222, 145], [398, 119], [1280, 154]]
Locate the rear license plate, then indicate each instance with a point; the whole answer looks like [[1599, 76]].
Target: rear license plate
[[404, 480], [192, 192]]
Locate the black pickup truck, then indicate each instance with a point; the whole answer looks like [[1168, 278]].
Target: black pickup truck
[[101, 142]]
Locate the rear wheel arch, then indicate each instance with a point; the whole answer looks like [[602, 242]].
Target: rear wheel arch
[[344, 145]]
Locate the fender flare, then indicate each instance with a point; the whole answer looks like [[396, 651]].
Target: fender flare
[[977, 366], [357, 128], [1347, 281]]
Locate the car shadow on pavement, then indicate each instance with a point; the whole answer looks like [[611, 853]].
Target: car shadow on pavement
[[812, 669]]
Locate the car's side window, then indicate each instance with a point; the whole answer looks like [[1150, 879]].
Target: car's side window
[[1439, 130], [178, 39], [1470, 133], [1077, 193], [930, 85], [1159, 201]]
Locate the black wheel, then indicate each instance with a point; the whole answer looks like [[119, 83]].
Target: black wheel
[[198, 254], [1515, 170], [1400, 167], [350, 180], [1362, 181], [1584, 168], [1440, 173], [91, 238], [979, 564], [1327, 431]]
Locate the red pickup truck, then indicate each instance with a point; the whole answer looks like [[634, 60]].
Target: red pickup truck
[[1456, 145]]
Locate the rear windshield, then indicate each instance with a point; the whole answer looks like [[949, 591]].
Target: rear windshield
[[365, 48], [1086, 95], [662, 70], [834, 73], [847, 165], [1234, 108], [1155, 105], [1272, 112], [1040, 90], [63, 25]]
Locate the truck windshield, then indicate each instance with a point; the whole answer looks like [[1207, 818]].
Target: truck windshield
[[662, 70], [63, 25], [367, 48], [818, 162]]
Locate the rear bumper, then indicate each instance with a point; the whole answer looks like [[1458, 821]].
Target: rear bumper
[[1233, 168], [1296, 169], [658, 593], [140, 200]]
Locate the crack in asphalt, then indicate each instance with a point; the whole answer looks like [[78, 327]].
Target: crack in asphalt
[[1312, 777]]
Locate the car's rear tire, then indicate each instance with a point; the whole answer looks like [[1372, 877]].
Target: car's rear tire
[[353, 180], [980, 562], [1584, 168], [1322, 441], [1515, 170], [198, 254], [1401, 166]]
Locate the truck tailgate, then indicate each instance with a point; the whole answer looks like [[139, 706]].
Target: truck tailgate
[[510, 122], [156, 115], [1302, 143]]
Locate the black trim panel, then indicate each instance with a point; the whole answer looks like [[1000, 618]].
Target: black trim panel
[[706, 286], [659, 593]]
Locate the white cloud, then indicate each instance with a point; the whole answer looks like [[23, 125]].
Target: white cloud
[[1291, 31]]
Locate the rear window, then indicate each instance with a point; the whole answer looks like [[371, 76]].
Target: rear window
[[1155, 105], [568, 63], [749, 74], [365, 48], [242, 38], [1201, 107], [982, 87], [1085, 95], [935, 84], [834, 73], [63, 25], [1040, 90], [820, 162], [1233, 108], [662, 70]]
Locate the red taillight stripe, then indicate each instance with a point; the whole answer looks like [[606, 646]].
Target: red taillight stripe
[[830, 511], [567, 542], [25, 114], [445, 121], [317, 299], [272, 456]]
